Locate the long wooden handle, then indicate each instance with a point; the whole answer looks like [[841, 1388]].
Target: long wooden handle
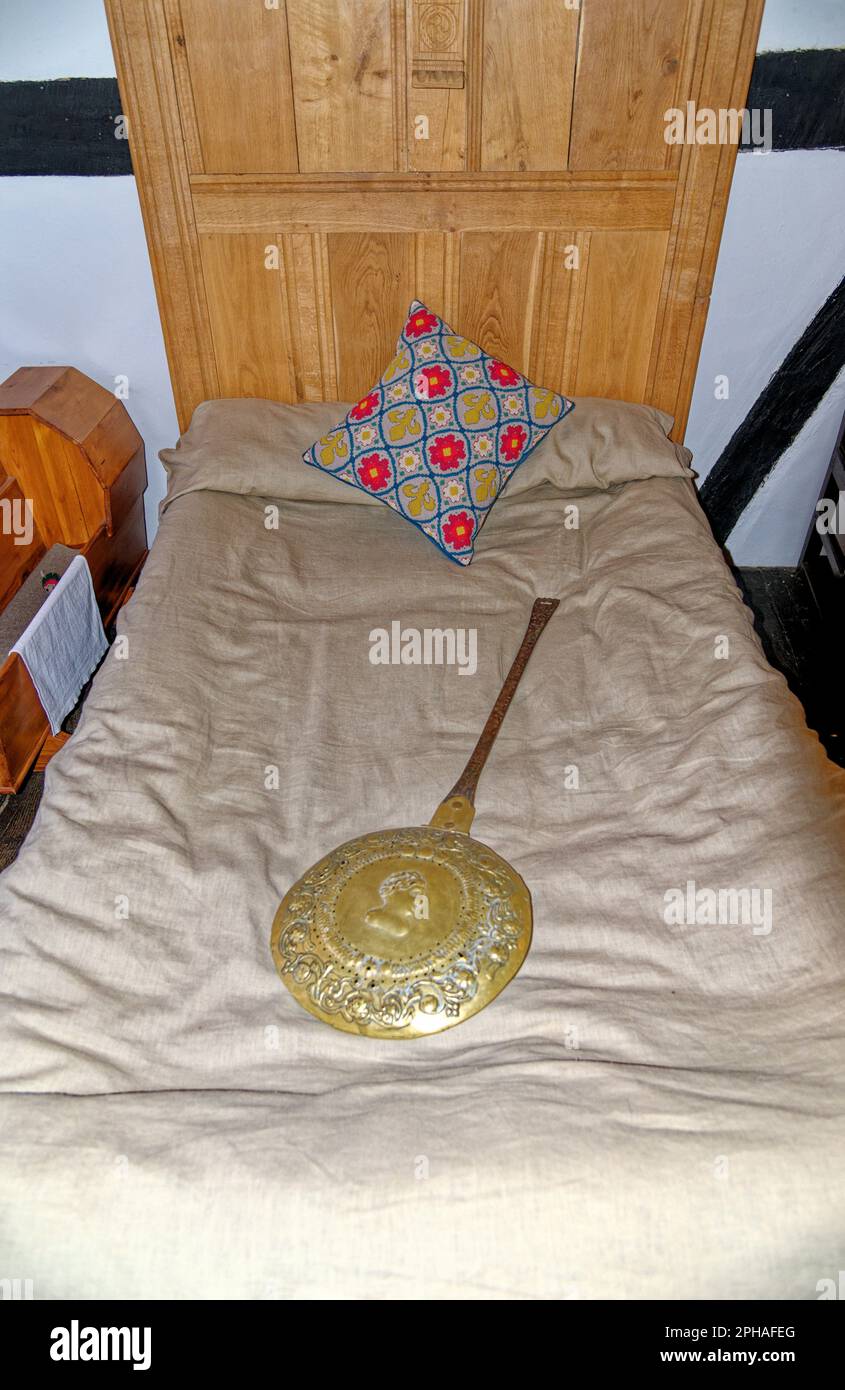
[[457, 810]]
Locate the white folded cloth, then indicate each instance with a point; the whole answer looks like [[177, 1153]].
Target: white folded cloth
[[64, 642]]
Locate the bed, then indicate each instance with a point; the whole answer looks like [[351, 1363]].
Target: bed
[[653, 1108]]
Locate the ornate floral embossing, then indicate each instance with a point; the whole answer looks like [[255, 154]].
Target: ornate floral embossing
[[443, 978]]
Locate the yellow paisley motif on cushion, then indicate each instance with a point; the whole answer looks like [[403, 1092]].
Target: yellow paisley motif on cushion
[[460, 347], [402, 422], [419, 497], [400, 363], [478, 405], [545, 403], [486, 484], [334, 447]]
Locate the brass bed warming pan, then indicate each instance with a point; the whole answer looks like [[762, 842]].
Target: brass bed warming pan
[[402, 933]]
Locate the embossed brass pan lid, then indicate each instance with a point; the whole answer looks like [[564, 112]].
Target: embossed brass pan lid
[[402, 933]]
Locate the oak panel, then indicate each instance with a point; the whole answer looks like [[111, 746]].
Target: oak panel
[[247, 297], [140, 39], [529, 71], [726, 44], [438, 272], [558, 310], [628, 64], [621, 295], [372, 284], [436, 77], [239, 65], [306, 270], [343, 68], [404, 205], [444, 144], [499, 281]]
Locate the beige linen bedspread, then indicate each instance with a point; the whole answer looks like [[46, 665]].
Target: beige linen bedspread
[[651, 1109]]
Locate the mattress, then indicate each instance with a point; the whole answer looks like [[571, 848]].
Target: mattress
[[652, 1109]]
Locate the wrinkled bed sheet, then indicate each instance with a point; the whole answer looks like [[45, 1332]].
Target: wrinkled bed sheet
[[649, 1110]]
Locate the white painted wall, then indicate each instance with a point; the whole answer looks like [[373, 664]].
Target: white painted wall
[[779, 260], [75, 281], [791, 24], [778, 520], [76, 287], [53, 38], [777, 265]]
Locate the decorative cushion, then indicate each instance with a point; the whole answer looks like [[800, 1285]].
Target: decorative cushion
[[440, 434]]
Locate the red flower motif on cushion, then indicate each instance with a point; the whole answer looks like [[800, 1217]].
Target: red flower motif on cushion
[[365, 406], [512, 442], [374, 472], [433, 381], [457, 531], [503, 374], [419, 323], [447, 452]]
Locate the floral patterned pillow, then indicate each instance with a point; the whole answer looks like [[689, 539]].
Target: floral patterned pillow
[[440, 435]]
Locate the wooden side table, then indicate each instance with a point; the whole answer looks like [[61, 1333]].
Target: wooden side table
[[72, 471]]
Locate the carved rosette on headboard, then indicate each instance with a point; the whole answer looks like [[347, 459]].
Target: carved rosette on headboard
[[308, 167], [439, 51]]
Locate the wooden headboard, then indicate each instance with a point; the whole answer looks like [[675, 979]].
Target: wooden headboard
[[307, 167]]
